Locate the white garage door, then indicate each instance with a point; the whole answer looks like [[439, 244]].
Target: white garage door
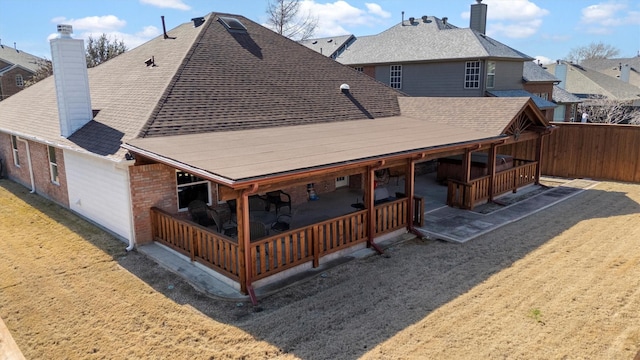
[[99, 191]]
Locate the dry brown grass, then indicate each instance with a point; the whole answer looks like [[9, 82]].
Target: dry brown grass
[[564, 283]]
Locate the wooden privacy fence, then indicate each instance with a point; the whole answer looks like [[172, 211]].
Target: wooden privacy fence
[[577, 150], [467, 195], [281, 251]]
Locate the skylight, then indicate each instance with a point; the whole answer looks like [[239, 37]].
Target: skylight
[[232, 24]]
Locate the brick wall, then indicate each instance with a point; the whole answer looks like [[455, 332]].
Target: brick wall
[[8, 80], [41, 171], [151, 186]]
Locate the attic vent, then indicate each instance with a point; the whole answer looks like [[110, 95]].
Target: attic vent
[[232, 24], [197, 21]]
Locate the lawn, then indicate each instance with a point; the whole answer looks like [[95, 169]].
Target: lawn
[[562, 283]]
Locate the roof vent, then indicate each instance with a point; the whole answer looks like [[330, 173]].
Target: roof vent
[[344, 88], [197, 21], [425, 18], [444, 20], [330, 40], [315, 42], [232, 24], [411, 20]]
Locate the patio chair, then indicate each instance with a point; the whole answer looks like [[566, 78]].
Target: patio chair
[[279, 199], [199, 211], [227, 229]]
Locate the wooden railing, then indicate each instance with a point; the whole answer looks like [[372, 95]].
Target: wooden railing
[[292, 248], [280, 251], [200, 244], [390, 216], [466, 195]]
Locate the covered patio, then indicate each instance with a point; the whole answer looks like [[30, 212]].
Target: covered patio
[[366, 151]]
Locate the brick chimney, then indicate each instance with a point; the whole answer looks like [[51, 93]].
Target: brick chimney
[[478, 20], [72, 81]]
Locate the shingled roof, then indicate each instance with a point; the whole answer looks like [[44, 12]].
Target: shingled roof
[[584, 82], [204, 79], [428, 39], [15, 57]]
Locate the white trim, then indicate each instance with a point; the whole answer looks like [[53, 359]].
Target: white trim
[[52, 165]]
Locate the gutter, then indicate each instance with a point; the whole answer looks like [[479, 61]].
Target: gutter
[[33, 182]]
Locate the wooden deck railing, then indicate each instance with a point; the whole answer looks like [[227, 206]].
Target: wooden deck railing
[[200, 244], [280, 251], [466, 195], [390, 216]]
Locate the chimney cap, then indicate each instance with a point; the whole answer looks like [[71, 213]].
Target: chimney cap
[[65, 29]]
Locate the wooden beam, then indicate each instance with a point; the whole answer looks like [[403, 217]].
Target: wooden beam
[[539, 149], [409, 189], [244, 239], [466, 165], [369, 201], [492, 169]]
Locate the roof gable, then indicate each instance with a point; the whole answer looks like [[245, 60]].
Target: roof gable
[[488, 114]]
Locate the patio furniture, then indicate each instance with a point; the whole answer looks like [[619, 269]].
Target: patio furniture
[[199, 211], [282, 223], [228, 228], [279, 199]]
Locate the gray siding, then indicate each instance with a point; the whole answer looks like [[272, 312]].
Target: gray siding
[[508, 75], [447, 79]]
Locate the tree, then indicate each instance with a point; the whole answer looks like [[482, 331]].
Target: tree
[[45, 69], [102, 49], [594, 50], [285, 19], [608, 111]]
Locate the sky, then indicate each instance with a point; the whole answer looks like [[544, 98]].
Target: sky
[[543, 29]]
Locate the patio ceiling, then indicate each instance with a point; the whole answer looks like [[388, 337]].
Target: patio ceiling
[[250, 154]]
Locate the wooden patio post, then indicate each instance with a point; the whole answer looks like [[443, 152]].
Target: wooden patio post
[[466, 166], [244, 239], [539, 143], [241, 205], [492, 169], [409, 188], [369, 201]]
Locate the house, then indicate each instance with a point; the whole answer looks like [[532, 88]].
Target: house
[[587, 83], [212, 112], [429, 56], [625, 69], [546, 86], [16, 68]]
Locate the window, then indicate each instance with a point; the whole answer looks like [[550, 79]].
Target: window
[[542, 95], [53, 165], [191, 187], [395, 80], [19, 80], [472, 75], [359, 68], [491, 74], [14, 146]]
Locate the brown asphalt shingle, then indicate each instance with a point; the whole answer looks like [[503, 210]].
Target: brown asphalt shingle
[[258, 79]]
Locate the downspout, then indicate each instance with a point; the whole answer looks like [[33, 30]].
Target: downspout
[[33, 182], [132, 241], [246, 238]]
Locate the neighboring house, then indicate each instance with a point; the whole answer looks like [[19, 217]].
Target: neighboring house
[[625, 69], [544, 85], [330, 46], [16, 68], [212, 111], [587, 83], [428, 56]]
